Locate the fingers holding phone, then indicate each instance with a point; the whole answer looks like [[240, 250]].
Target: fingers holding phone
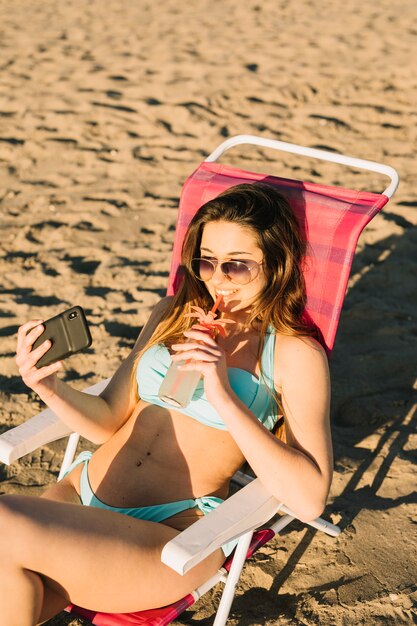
[[27, 358], [42, 345]]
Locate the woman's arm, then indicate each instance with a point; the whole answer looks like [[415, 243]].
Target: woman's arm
[[95, 417], [298, 472]]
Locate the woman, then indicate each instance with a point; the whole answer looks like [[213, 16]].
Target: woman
[[158, 467]]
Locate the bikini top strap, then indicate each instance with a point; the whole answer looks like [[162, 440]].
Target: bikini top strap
[[268, 354]]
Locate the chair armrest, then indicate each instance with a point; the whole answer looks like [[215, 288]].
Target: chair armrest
[[37, 431], [247, 509]]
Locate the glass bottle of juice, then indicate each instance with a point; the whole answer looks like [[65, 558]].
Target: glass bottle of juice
[[178, 386]]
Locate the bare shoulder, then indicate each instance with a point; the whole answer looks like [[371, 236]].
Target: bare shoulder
[[291, 345], [298, 356], [162, 306], [120, 387], [158, 313]]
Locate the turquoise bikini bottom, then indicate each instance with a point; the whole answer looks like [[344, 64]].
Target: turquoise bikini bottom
[[155, 513]]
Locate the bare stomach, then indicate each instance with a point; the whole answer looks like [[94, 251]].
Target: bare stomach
[[162, 456]]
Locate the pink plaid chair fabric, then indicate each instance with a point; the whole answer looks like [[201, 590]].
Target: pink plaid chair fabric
[[332, 218]]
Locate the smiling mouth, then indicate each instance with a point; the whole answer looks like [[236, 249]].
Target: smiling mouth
[[224, 293]]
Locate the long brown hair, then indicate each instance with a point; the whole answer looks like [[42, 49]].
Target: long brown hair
[[281, 303]]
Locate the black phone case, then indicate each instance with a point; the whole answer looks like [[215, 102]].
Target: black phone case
[[68, 332]]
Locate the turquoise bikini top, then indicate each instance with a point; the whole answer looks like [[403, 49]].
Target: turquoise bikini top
[[253, 392]]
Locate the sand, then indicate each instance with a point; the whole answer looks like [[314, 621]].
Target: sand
[[105, 108]]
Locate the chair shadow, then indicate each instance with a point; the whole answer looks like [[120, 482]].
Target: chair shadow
[[379, 336]]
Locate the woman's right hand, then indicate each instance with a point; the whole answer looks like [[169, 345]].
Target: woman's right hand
[[42, 380]]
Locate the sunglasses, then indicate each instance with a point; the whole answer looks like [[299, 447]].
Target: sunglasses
[[240, 272]]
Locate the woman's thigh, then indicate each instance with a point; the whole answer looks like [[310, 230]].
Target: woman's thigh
[[100, 559], [66, 490], [55, 599]]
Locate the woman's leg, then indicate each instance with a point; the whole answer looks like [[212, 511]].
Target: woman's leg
[[54, 599], [96, 558]]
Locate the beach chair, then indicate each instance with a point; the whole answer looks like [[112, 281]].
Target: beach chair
[[333, 219]]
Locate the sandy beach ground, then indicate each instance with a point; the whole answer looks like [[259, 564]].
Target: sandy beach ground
[[105, 108]]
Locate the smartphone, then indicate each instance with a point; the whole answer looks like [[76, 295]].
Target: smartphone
[[68, 332]]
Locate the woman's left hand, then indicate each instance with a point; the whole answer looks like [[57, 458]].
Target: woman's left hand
[[201, 353]]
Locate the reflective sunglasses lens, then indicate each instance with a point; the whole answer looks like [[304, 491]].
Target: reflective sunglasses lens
[[203, 269], [237, 272]]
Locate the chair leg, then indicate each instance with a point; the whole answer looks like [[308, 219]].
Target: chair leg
[[69, 453], [233, 579]]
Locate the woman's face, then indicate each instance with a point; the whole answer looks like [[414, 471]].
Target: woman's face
[[226, 241]]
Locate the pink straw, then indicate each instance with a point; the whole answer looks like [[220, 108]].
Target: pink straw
[[216, 304]]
